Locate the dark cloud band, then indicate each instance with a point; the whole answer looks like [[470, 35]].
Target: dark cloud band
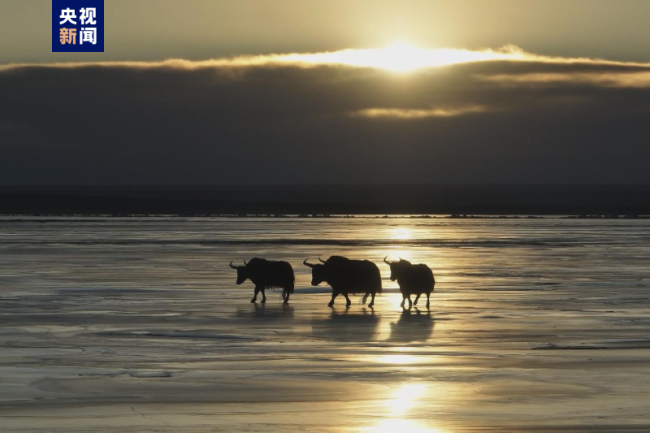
[[535, 120]]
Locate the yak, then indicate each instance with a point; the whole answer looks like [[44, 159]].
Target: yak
[[412, 280], [267, 274], [347, 277]]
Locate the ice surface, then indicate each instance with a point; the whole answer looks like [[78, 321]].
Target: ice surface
[[136, 324]]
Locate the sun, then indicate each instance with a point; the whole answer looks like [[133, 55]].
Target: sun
[[401, 57], [398, 57]]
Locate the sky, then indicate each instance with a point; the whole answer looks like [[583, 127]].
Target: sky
[[304, 92]]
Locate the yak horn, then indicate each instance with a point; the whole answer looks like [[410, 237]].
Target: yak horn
[[307, 264], [386, 261], [245, 263], [234, 267], [321, 260]]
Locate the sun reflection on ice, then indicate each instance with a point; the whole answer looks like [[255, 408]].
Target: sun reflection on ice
[[398, 359], [401, 233], [401, 426], [403, 400]]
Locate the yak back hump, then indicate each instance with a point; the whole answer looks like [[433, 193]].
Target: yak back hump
[[353, 276], [271, 274], [418, 279]]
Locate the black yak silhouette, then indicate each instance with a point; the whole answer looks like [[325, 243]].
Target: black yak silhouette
[[412, 280], [267, 274], [347, 277]]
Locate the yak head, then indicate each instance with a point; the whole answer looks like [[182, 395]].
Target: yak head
[[397, 269], [318, 273], [242, 272]]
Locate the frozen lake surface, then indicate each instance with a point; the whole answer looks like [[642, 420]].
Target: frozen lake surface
[[111, 324]]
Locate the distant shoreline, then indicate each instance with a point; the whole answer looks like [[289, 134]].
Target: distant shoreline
[[7, 217], [460, 201]]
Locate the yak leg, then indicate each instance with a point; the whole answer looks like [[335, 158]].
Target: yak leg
[[334, 295], [416, 299], [365, 297], [263, 296], [428, 294], [257, 290], [403, 300], [285, 295], [347, 301], [408, 298], [372, 300]]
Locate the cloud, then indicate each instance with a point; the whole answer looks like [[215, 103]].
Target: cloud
[[603, 79], [414, 113], [305, 119], [399, 58]]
